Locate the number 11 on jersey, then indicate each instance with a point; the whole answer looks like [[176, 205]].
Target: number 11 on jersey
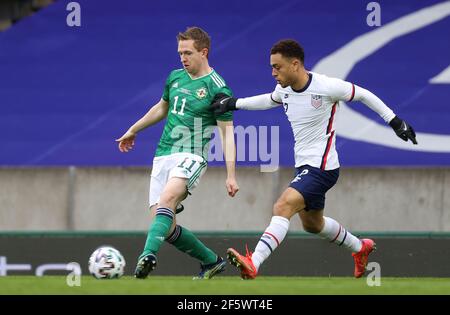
[[183, 104]]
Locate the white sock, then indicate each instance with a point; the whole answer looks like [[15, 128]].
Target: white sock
[[271, 239], [335, 233]]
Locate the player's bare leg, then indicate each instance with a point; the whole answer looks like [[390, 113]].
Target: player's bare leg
[[182, 238], [314, 222], [289, 203]]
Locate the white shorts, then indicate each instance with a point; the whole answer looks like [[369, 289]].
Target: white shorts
[[183, 165]]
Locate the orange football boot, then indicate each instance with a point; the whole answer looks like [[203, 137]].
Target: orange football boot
[[361, 258], [244, 263]]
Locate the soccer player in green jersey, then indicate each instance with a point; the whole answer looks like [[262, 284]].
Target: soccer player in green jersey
[[181, 157]]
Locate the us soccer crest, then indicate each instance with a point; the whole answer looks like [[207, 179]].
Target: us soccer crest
[[316, 100], [201, 93]]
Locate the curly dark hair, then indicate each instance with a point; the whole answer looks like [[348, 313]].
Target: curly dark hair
[[289, 48]]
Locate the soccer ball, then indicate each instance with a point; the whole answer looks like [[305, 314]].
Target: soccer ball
[[106, 262]]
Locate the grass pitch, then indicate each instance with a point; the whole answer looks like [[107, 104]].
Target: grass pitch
[[223, 286]]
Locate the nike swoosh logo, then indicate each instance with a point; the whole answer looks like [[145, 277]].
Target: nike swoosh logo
[[404, 127], [225, 99]]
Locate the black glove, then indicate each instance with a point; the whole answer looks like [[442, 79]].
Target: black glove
[[223, 103], [403, 130]]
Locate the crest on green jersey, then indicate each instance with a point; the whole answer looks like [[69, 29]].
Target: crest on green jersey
[[201, 93]]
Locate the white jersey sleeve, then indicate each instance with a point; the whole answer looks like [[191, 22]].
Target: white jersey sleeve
[[374, 103], [341, 90], [260, 102], [276, 95]]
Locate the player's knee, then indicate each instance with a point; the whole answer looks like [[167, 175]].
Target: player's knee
[[169, 199], [283, 208]]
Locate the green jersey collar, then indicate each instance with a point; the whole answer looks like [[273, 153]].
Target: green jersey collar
[[203, 76]]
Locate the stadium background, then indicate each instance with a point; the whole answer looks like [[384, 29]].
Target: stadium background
[[67, 92]]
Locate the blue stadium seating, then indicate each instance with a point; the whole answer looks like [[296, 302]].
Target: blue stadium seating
[[67, 92]]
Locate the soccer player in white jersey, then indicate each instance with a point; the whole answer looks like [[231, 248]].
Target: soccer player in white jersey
[[311, 101]]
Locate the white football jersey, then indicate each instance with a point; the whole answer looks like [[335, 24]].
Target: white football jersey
[[312, 114]]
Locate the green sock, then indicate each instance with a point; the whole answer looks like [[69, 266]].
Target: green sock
[[187, 242], [158, 231]]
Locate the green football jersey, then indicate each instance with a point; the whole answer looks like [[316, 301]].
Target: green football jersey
[[190, 122]]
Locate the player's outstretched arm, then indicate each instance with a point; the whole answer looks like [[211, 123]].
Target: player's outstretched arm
[[402, 129], [223, 103], [226, 131], [157, 113]]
